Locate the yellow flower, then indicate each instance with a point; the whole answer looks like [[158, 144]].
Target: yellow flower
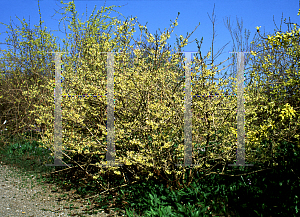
[[253, 53]]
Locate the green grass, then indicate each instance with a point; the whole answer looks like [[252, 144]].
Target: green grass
[[272, 192]]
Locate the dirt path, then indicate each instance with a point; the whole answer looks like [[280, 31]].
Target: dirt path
[[21, 195]]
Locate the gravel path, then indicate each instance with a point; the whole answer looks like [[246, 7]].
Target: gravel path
[[20, 195]]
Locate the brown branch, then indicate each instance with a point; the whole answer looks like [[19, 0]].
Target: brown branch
[[223, 174], [110, 190]]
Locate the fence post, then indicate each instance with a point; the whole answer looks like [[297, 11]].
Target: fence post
[[187, 114], [57, 114], [240, 161]]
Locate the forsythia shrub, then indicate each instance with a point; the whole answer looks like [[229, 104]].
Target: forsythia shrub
[[149, 104]]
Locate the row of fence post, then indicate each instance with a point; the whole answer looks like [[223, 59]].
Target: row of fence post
[[110, 154]]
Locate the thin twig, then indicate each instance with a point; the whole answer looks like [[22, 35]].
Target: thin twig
[[295, 173], [240, 174], [111, 189]]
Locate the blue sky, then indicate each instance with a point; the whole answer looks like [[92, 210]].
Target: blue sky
[[158, 14]]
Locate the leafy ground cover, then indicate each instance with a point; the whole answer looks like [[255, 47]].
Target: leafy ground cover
[[270, 192]]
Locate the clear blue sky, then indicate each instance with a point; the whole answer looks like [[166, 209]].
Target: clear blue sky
[[158, 14]]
